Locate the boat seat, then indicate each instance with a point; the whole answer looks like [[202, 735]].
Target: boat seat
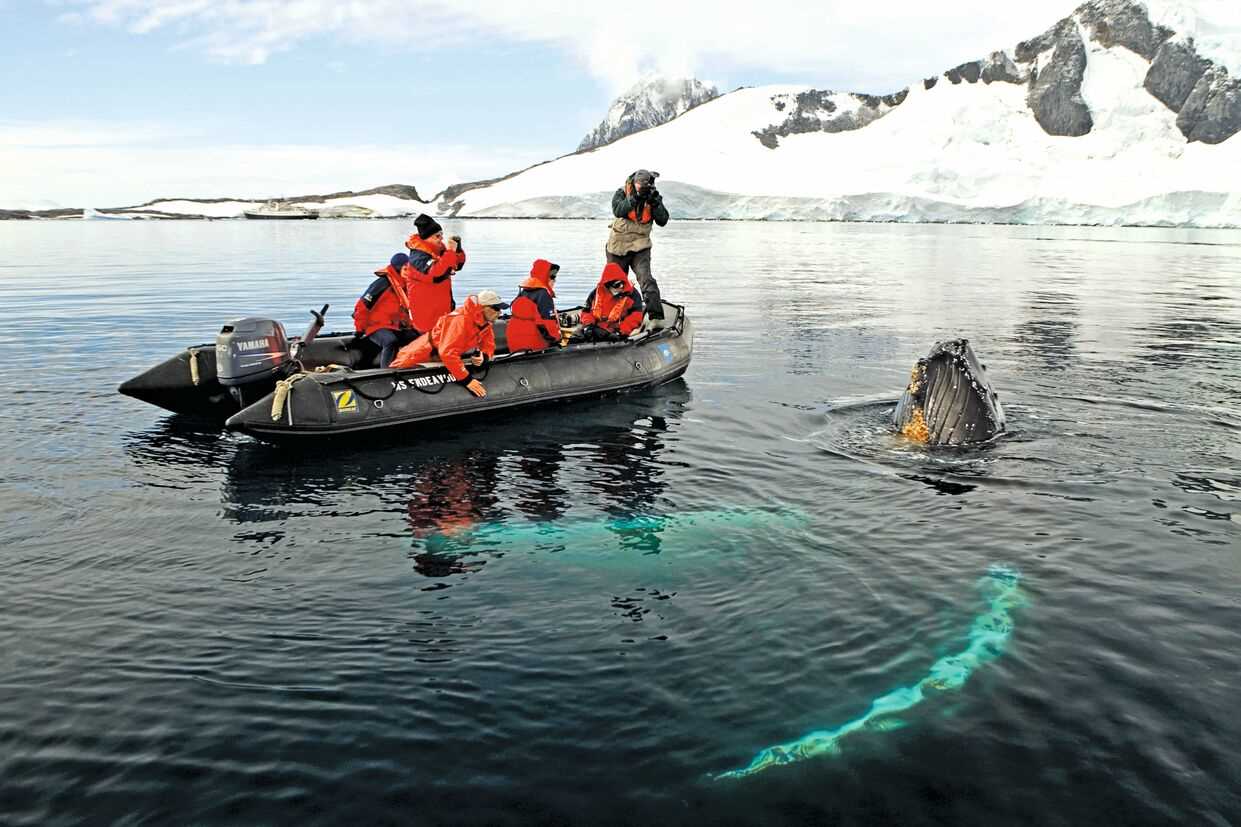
[[500, 328]]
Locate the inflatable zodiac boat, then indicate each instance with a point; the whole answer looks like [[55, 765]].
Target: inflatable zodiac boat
[[281, 389]]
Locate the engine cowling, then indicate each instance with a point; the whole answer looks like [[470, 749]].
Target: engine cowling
[[251, 350]]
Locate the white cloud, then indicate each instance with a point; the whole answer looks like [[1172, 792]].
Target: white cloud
[[68, 133], [881, 46], [93, 165]]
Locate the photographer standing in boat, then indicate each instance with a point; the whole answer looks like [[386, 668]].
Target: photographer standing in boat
[[637, 207]]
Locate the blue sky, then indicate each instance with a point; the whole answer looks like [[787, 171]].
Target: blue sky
[[118, 101]]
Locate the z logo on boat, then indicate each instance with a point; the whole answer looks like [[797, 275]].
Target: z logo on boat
[[346, 402]]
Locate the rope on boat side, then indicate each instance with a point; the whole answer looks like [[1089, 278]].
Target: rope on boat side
[[193, 351], [282, 393], [285, 385]]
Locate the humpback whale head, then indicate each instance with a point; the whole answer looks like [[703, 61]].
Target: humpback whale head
[[949, 400]]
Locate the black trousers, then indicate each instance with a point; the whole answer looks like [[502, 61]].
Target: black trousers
[[390, 341], [640, 263]]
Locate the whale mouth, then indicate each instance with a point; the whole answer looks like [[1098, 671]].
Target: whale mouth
[[949, 399]]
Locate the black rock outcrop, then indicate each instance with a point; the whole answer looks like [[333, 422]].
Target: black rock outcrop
[[1123, 23], [1212, 112], [1175, 72], [1055, 94], [651, 102], [969, 72], [875, 101], [815, 111], [999, 67]]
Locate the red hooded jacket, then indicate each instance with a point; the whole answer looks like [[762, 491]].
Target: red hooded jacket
[[534, 325], [429, 278], [461, 331], [622, 314], [384, 305]]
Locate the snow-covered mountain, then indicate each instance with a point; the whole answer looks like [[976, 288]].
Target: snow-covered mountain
[[390, 201], [1122, 112], [649, 103]]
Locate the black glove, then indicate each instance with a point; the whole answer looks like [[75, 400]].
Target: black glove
[[653, 195], [594, 333]]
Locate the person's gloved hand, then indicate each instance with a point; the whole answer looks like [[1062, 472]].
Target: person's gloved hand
[[475, 387], [653, 196], [594, 333]]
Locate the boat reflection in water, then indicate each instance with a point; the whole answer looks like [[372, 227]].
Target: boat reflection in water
[[463, 495]]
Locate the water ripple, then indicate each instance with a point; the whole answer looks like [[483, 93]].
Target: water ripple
[[568, 614]]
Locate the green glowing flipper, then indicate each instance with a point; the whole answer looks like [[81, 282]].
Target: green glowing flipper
[[988, 636]]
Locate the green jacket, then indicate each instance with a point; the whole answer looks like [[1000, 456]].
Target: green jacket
[[631, 236]]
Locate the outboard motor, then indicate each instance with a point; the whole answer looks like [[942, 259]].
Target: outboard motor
[[251, 352]]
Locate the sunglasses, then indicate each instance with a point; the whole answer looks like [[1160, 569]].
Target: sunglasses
[[614, 285]]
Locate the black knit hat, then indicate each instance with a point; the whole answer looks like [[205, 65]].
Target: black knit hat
[[427, 226]]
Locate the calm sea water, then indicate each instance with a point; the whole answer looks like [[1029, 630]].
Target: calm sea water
[[581, 613]]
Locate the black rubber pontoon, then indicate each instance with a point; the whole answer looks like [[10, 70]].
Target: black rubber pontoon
[[188, 383], [316, 405]]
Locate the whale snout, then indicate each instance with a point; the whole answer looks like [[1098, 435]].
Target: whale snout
[[949, 399]]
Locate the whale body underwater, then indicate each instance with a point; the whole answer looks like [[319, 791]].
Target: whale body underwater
[[949, 400]]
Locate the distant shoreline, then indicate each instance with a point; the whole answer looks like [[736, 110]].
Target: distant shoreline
[[155, 215]]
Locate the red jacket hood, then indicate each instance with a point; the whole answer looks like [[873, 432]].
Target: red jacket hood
[[611, 273], [473, 311], [540, 276]]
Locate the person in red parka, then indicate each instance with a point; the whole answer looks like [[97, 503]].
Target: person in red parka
[[534, 325], [465, 329], [614, 308], [382, 313], [432, 261]]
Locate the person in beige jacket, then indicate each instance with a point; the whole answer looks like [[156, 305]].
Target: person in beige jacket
[[638, 208]]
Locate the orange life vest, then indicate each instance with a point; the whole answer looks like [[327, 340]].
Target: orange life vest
[[646, 215]]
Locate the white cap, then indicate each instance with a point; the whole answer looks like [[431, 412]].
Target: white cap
[[490, 298]]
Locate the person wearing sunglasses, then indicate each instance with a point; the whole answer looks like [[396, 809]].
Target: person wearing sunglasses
[[466, 329], [534, 325], [614, 308], [638, 208]]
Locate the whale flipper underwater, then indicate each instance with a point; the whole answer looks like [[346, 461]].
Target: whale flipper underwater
[[988, 637], [949, 399]]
